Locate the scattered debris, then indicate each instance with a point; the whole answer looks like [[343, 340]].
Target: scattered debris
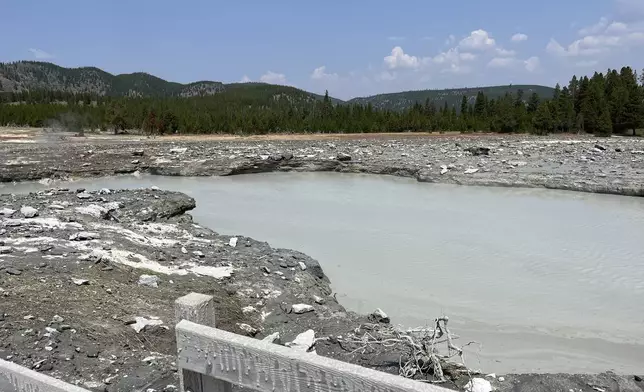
[[302, 308], [28, 212], [379, 316], [149, 280], [303, 342], [478, 385], [476, 151], [84, 236], [141, 323]]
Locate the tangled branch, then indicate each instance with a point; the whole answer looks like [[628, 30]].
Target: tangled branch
[[421, 357]]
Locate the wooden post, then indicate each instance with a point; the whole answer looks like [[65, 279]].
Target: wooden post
[[199, 309]]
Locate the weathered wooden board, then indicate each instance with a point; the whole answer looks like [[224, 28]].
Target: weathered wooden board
[[268, 367]]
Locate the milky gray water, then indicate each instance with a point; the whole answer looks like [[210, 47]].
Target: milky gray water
[[547, 281]]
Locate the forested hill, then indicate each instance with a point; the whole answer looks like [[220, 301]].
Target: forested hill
[[33, 76], [30, 76], [453, 97]]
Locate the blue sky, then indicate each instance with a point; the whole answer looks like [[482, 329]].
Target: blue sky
[[350, 48]]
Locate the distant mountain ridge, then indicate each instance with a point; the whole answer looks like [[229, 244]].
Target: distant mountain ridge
[[453, 97], [33, 75]]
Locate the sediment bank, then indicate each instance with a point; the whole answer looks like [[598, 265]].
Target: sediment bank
[[585, 164]]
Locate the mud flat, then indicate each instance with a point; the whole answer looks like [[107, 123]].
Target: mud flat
[[87, 279]]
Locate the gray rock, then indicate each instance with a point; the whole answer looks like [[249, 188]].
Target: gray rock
[[84, 196], [249, 330], [287, 156], [138, 153], [7, 211], [5, 250], [149, 280], [29, 212], [478, 150], [80, 282], [342, 157], [84, 236], [273, 338], [379, 316], [302, 308], [303, 342], [13, 271]]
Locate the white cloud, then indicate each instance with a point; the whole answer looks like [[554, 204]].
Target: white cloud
[[395, 38], [450, 40], [594, 45], [40, 54], [273, 78], [532, 64], [595, 28], [603, 37], [452, 61], [505, 53], [519, 37], [503, 62], [400, 60], [320, 74], [478, 40], [467, 56], [453, 56], [245, 79]]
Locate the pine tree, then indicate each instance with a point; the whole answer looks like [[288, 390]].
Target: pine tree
[[533, 103], [542, 120], [633, 103], [555, 111], [464, 105], [567, 110]]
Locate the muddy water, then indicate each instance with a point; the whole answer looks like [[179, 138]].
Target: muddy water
[[547, 281]]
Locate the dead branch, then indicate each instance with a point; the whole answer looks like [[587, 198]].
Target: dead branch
[[424, 353]]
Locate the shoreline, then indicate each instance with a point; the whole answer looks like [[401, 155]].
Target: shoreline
[[105, 158], [583, 164]]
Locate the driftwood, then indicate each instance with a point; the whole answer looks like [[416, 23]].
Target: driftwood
[[421, 357]]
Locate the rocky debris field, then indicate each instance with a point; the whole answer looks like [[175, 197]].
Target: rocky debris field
[[88, 279], [581, 163]]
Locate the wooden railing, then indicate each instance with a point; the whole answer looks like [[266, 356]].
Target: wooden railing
[[212, 360], [15, 378]]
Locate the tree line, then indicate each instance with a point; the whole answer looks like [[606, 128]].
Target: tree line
[[605, 103]]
